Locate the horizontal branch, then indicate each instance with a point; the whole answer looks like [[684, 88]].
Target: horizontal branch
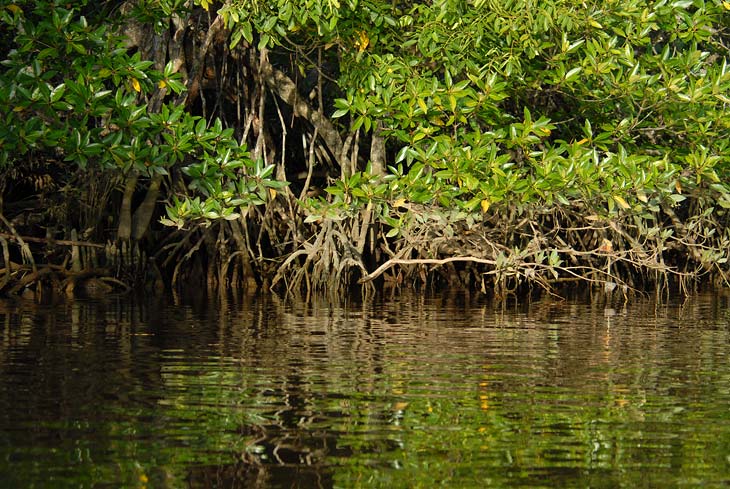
[[51, 241], [422, 261]]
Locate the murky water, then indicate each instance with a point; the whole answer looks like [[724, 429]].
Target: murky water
[[411, 392]]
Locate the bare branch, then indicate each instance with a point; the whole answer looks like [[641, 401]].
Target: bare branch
[[422, 261]]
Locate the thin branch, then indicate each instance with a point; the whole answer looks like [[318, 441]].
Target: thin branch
[[49, 241], [196, 71], [310, 165]]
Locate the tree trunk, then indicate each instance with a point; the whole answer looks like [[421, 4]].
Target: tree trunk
[[377, 151], [285, 88], [124, 231], [143, 214]]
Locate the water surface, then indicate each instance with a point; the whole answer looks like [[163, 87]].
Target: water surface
[[403, 392]]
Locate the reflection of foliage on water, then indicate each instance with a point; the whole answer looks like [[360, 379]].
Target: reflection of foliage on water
[[412, 393], [607, 433]]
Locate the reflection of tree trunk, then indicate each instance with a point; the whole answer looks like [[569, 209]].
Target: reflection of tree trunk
[[143, 214]]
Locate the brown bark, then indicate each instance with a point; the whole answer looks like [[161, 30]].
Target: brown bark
[[285, 88], [377, 151], [124, 231], [196, 72]]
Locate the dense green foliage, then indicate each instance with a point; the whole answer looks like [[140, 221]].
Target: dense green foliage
[[71, 91], [549, 130], [612, 109]]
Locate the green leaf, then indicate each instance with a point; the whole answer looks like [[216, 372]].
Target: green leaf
[[340, 113], [573, 73], [247, 31], [57, 93]]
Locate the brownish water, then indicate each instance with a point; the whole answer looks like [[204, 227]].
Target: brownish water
[[403, 392]]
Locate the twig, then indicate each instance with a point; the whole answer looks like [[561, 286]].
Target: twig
[[310, 164]]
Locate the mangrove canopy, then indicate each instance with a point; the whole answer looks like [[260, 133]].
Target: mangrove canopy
[[311, 145]]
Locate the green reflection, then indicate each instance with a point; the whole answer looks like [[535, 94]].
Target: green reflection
[[408, 394]]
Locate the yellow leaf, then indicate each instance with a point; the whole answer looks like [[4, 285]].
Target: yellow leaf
[[399, 203], [363, 41], [678, 186], [162, 84], [726, 5], [14, 9], [620, 201], [136, 85], [642, 196], [485, 205], [272, 193], [205, 4], [582, 141], [143, 479]]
